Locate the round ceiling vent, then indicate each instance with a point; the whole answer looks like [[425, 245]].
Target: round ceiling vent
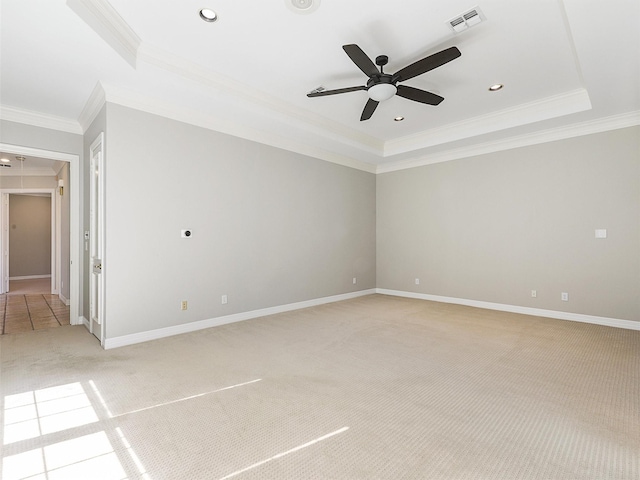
[[302, 6]]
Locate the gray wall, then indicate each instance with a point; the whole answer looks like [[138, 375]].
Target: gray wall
[[270, 227], [494, 227], [28, 182], [29, 235]]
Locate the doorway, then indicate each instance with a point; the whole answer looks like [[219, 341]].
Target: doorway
[[72, 192], [31, 243]]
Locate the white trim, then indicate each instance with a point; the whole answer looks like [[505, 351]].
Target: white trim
[[37, 119], [74, 220], [615, 122], [537, 312], [107, 22], [64, 299], [551, 107], [83, 321], [215, 322], [157, 107], [30, 277], [92, 107]]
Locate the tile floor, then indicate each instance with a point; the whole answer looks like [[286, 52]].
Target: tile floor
[[23, 313]]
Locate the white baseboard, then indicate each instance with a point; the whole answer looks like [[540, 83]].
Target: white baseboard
[[83, 321], [64, 300], [538, 312], [215, 322], [29, 277]]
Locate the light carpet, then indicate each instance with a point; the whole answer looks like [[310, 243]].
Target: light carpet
[[371, 388]]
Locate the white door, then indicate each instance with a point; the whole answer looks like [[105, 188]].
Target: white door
[[96, 239]]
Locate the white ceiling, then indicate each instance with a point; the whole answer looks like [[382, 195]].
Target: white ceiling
[[569, 67]]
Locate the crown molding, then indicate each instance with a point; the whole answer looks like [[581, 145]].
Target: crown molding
[[165, 109], [545, 109], [37, 119], [92, 107], [100, 16], [318, 124], [629, 119]]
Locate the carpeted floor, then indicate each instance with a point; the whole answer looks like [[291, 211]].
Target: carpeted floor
[[372, 388]]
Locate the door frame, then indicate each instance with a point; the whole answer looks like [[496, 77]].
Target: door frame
[[97, 236], [75, 194], [5, 246]]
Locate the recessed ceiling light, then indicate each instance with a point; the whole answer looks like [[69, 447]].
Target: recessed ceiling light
[[302, 6], [496, 87], [208, 15], [398, 118]]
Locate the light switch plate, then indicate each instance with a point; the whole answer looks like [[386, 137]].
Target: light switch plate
[[601, 233]]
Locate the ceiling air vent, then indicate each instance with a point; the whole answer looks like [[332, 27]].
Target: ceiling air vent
[[465, 20]]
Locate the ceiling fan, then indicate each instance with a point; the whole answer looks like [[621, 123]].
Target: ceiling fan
[[382, 86]]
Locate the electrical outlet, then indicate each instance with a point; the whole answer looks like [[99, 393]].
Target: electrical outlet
[[417, 281], [183, 305], [355, 280], [564, 296], [534, 294], [223, 299]]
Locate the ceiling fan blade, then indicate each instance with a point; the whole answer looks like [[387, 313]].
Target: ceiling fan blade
[[369, 108], [335, 92], [360, 58], [428, 63], [418, 95]]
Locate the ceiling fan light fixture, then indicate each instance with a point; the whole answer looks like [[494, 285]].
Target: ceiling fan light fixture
[[5, 160], [208, 15], [382, 91]]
